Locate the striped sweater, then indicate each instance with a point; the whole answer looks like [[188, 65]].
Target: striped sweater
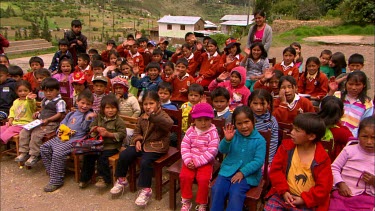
[[263, 123], [355, 112], [200, 147]]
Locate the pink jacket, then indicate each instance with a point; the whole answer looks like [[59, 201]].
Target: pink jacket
[[238, 95], [200, 148]]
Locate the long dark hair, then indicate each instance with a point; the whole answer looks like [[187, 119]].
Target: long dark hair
[[254, 28], [111, 100], [338, 59], [331, 110], [213, 42], [65, 60], [357, 76], [316, 61], [261, 46]]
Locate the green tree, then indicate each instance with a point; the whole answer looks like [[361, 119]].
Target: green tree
[[357, 11], [35, 30], [6, 33], [46, 34]]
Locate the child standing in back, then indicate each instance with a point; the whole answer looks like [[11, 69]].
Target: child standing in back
[[150, 141], [112, 129], [261, 103], [300, 173], [313, 82], [198, 151], [195, 94], [64, 74], [357, 105], [241, 169], [15, 72], [256, 64], [53, 109], [287, 65], [239, 93], [21, 112], [331, 111], [54, 151], [353, 172]]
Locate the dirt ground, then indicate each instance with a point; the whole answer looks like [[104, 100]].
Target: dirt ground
[[22, 189]]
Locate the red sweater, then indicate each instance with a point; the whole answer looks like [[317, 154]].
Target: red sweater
[[341, 135], [179, 84], [318, 196], [318, 87], [209, 66], [31, 79], [231, 65], [137, 58], [193, 63], [291, 71], [284, 114]]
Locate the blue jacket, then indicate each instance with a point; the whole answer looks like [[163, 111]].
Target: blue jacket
[[56, 59], [245, 154], [146, 83], [7, 94]]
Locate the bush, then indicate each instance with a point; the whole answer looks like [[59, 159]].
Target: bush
[[220, 38], [95, 29], [308, 10], [357, 11], [285, 7]]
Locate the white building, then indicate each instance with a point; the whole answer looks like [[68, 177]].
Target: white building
[[228, 21], [178, 26]]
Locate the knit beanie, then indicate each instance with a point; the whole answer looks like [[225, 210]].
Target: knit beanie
[[202, 110]]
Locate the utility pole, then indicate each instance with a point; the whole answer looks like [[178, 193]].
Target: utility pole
[[248, 13], [113, 22]]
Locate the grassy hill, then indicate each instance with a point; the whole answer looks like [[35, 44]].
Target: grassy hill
[[113, 17]]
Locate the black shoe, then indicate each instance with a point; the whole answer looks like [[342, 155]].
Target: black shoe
[[51, 188]]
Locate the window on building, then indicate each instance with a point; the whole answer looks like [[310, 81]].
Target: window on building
[[169, 27], [182, 27]]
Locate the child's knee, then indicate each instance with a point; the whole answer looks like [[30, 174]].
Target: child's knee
[[146, 163], [186, 177]]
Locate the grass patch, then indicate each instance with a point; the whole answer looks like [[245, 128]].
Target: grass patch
[[33, 53], [304, 31]]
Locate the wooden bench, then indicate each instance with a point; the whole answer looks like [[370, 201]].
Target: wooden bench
[[167, 159], [175, 169]]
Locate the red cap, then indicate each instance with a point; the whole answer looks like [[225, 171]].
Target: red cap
[[79, 77], [230, 42]]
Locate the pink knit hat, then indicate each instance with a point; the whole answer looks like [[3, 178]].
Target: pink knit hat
[[202, 110]]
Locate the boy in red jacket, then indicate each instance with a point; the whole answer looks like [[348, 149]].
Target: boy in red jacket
[[300, 173]]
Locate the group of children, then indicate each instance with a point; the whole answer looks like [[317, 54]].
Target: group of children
[[123, 84]]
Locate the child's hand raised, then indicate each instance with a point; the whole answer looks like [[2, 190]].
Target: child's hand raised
[[229, 132], [223, 76], [237, 177], [368, 178], [31, 96], [333, 84], [269, 73], [344, 190]]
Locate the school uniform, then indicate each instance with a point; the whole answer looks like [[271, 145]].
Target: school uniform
[[290, 69], [315, 85]]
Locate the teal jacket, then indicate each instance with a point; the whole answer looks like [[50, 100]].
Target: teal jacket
[[245, 154]]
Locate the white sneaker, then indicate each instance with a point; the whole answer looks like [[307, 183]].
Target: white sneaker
[[22, 157], [143, 197], [119, 187], [186, 205], [201, 207]]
